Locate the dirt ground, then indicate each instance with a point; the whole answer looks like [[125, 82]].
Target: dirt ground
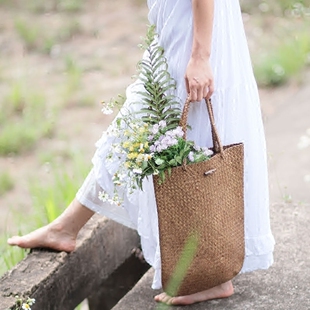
[[103, 45]]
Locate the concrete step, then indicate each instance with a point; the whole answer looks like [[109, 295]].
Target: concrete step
[[285, 286]]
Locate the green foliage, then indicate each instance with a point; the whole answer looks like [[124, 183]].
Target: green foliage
[[67, 6], [74, 77], [24, 121], [28, 33], [9, 256], [275, 7], [49, 200], [285, 61], [184, 262], [157, 98], [6, 182]]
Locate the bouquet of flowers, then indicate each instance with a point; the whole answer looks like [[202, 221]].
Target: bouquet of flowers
[[150, 141]]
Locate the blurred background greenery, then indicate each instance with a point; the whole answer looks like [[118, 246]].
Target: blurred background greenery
[[60, 58]]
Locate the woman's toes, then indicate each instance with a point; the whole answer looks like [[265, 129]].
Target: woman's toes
[[164, 298]]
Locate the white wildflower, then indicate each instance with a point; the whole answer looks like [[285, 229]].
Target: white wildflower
[[156, 172], [106, 110], [103, 196], [31, 301], [137, 171], [26, 306]]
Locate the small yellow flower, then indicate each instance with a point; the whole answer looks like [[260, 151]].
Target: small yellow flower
[[132, 155], [126, 144], [127, 164], [146, 144]]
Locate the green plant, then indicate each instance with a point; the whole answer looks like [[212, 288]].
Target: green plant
[[49, 200], [6, 182], [27, 121], [66, 6], [70, 5], [285, 61], [10, 256], [23, 303], [70, 29], [15, 99], [28, 33], [74, 76], [183, 264]]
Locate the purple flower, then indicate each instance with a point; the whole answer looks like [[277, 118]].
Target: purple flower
[[178, 132], [191, 157], [207, 151], [197, 148], [155, 129], [159, 148], [162, 124]]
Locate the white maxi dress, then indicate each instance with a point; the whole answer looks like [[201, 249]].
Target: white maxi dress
[[238, 118]]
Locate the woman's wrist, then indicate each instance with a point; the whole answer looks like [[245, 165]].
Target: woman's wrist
[[201, 54]]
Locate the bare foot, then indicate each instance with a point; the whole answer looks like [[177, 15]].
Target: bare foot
[[52, 236], [221, 291], [60, 235]]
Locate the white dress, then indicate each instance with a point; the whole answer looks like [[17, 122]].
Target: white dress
[[238, 118]]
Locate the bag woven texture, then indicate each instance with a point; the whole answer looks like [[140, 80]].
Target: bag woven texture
[[203, 200]]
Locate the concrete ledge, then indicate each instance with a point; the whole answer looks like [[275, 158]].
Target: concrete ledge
[[285, 286], [60, 281]]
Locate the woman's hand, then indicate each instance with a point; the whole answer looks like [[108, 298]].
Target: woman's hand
[[199, 79]]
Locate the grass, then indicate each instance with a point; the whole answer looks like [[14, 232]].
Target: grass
[[26, 119], [29, 33], [278, 7], [73, 73], [49, 201], [284, 62], [282, 55], [39, 7], [36, 37], [6, 183]]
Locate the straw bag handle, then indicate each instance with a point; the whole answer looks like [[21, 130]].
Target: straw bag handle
[[217, 145]]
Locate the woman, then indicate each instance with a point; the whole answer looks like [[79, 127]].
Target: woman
[[204, 41]]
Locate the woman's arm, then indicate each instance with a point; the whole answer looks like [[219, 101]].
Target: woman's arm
[[198, 76]]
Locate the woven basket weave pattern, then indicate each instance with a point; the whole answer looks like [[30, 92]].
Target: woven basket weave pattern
[[210, 207]]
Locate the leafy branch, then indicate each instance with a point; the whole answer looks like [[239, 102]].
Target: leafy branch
[[158, 100]]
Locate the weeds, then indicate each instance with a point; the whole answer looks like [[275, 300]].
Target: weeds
[[287, 60], [49, 201], [28, 33], [6, 183], [26, 121]]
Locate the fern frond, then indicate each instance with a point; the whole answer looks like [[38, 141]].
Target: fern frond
[[157, 99]]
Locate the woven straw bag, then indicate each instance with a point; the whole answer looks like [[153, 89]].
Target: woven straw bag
[[201, 218]]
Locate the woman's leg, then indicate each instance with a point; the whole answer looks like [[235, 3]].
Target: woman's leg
[[221, 291], [60, 234]]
